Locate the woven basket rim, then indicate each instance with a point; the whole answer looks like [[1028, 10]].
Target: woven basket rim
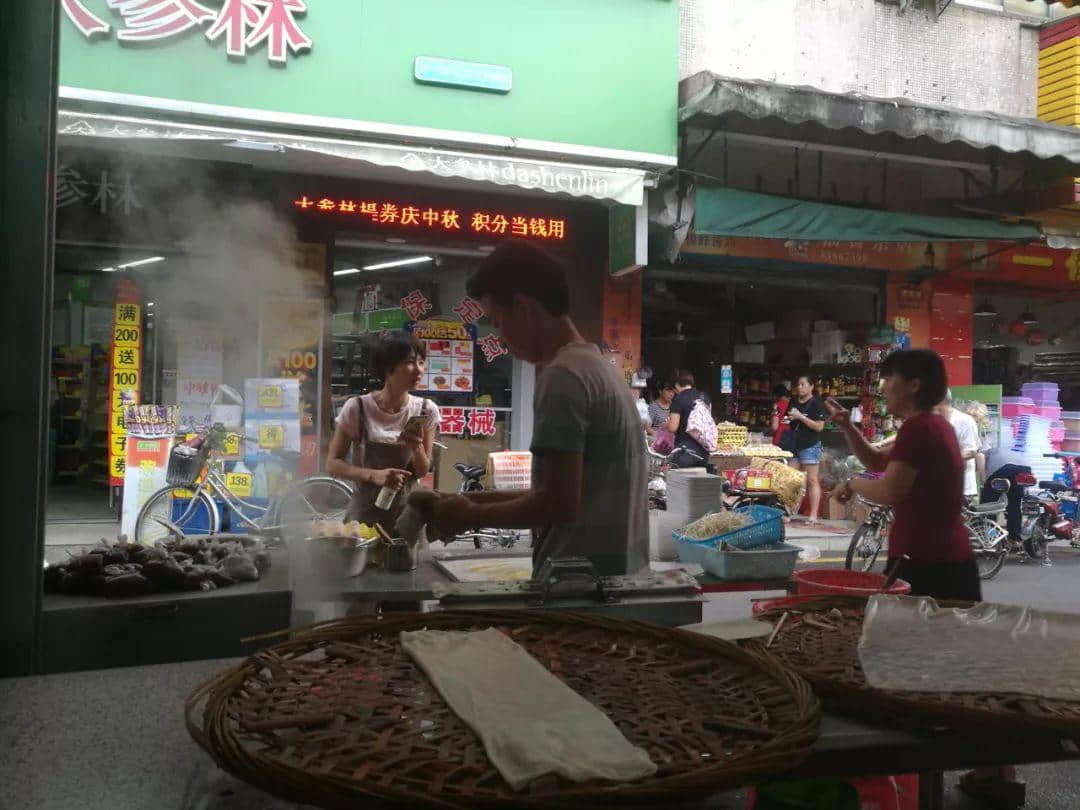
[[908, 709], [783, 751]]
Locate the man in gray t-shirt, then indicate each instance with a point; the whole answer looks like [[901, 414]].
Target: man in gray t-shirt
[[590, 484], [582, 406]]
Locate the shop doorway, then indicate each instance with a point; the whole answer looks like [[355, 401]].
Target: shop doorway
[[379, 286], [766, 327], [81, 504]]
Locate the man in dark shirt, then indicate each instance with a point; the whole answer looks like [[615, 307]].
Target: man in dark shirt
[[686, 396]]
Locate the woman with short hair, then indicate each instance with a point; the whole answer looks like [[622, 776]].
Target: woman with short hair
[[371, 446]]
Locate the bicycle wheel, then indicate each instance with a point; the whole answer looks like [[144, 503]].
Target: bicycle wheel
[[193, 516], [988, 540], [1035, 545], [319, 497], [865, 546]]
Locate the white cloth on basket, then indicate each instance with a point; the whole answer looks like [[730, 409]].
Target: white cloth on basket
[[530, 722]]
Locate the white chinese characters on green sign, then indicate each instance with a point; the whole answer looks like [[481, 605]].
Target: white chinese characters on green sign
[[243, 24]]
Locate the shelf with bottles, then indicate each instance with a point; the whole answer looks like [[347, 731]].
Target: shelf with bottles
[[70, 371]]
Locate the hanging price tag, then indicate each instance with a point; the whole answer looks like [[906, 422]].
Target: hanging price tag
[[239, 484], [232, 444], [271, 437], [271, 396]]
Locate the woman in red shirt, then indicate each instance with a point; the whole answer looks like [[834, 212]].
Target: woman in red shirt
[[923, 481], [780, 409]]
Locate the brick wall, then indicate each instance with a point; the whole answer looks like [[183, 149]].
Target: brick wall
[[967, 59]]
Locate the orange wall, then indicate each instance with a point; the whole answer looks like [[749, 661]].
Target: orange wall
[[942, 322], [919, 317], [621, 318]]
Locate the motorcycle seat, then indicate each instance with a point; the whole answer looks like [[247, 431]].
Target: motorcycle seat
[[468, 472], [989, 508], [1053, 486]]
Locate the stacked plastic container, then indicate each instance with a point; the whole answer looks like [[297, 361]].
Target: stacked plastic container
[[1015, 407], [1036, 427], [1070, 420]]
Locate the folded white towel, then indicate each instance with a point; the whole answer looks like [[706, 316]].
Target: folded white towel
[[530, 722]]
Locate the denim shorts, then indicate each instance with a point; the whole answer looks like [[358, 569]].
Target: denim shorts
[[811, 455]]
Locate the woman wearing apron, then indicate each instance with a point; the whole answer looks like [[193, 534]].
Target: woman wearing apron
[[369, 429]]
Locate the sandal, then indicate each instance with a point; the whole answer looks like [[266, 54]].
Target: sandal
[[993, 789]]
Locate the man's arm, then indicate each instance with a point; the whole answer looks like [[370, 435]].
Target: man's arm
[[559, 431], [495, 495], [557, 499]]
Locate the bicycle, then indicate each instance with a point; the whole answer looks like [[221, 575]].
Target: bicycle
[[988, 539], [470, 483], [193, 476], [869, 538], [659, 464]]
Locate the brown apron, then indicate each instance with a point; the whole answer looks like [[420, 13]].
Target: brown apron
[[378, 456]]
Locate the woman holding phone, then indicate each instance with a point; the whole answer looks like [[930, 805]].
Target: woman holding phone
[[384, 440]]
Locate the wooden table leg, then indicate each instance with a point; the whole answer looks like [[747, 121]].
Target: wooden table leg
[[932, 790]]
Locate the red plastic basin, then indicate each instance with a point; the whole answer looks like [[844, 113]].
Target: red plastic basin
[[843, 582]]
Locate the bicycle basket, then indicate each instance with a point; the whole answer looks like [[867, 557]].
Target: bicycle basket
[[184, 468]]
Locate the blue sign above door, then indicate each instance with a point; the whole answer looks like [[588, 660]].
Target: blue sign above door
[[469, 75]]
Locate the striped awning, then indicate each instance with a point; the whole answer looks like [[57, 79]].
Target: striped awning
[[786, 113]]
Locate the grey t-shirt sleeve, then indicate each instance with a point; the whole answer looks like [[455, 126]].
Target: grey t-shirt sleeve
[[561, 413]]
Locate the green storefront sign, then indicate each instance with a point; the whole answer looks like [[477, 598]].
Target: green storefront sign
[[601, 74]]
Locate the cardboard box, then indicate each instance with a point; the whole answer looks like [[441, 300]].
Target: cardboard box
[[510, 470], [788, 351], [797, 323], [836, 510], [760, 332], [825, 347]]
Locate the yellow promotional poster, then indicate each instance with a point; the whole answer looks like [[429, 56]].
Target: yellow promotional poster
[[271, 396], [290, 336], [232, 444], [124, 374], [271, 437]]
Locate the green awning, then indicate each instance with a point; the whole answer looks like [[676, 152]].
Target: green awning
[[731, 212]]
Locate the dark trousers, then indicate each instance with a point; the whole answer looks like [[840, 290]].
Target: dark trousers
[[958, 581], [1015, 496]]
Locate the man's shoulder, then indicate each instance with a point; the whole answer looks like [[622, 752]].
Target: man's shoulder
[[583, 364], [577, 357]]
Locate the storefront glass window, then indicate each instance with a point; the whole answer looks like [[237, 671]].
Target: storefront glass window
[[423, 290]]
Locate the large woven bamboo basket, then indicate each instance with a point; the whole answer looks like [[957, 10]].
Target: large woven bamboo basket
[[819, 640], [340, 714]]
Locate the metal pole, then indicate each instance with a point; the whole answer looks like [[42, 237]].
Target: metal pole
[[28, 82]]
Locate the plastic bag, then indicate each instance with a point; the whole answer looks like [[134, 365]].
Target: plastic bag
[[910, 644]]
